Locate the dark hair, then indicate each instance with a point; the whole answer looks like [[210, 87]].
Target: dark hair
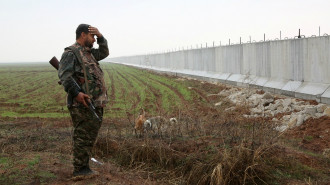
[[81, 28]]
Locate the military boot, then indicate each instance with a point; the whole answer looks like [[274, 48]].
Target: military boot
[[84, 173]]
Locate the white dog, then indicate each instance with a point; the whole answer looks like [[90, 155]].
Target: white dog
[[156, 125], [160, 126]]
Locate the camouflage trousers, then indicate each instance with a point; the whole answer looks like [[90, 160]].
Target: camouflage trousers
[[86, 128]]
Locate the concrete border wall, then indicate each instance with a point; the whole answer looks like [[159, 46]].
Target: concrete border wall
[[296, 67]]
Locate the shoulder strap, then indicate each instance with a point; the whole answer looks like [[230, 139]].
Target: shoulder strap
[[75, 51]]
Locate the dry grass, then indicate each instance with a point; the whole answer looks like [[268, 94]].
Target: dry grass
[[233, 152]]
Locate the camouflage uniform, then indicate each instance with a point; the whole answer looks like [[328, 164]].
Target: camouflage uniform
[[85, 125]]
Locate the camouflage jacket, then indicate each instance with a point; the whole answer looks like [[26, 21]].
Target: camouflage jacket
[[71, 65]]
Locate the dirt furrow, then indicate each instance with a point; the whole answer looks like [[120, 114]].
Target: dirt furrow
[[172, 89], [112, 85], [135, 103], [30, 86], [201, 94], [155, 92]]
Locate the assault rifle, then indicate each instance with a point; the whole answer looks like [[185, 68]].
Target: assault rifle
[[55, 63]]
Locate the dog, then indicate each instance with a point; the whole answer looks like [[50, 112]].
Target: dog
[[139, 122], [160, 126], [173, 120], [154, 125]]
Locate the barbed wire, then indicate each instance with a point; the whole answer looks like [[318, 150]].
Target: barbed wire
[[177, 49], [247, 42]]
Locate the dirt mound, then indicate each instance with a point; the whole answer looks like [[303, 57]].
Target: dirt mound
[[314, 134]]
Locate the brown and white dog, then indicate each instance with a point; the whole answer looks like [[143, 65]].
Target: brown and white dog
[[139, 122]]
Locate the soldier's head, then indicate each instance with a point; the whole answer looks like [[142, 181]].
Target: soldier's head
[[83, 36]]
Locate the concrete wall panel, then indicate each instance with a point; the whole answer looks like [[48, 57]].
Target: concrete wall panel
[[295, 66]]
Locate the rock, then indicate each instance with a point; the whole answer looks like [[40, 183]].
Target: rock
[[278, 101], [281, 128], [276, 112], [234, 101], [294, 101], [298, 107], [318, 115], [218, 104], [299, 102], [250, 92], [251, 104], [307, 117], [230, 109], [266, 102], [267, 96], [287, 109], [209, 95], [311, 110], [272, 113], [275, 119], [293, 122], [224, 93], [271, 107], [255, 100], [257, 96], [286, 102], [286, 117], [320, 108], [280, 108], [326, 152], [327, 111], [268, 113], [300, 120], [256, 110], [236, 97]]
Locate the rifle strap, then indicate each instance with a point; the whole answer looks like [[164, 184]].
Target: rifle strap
[[76, 52]]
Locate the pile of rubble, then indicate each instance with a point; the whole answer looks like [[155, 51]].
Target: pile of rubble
[[295, 112]]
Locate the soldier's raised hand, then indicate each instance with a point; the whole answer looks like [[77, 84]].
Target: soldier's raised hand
[[94, 31]]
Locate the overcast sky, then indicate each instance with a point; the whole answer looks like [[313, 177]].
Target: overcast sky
[[36, 30]]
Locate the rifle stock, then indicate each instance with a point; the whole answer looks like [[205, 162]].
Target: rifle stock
[[55, 63]]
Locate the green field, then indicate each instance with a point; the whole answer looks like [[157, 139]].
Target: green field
[[31, 90]]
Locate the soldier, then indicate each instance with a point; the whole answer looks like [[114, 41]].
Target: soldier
[[81, 62]]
